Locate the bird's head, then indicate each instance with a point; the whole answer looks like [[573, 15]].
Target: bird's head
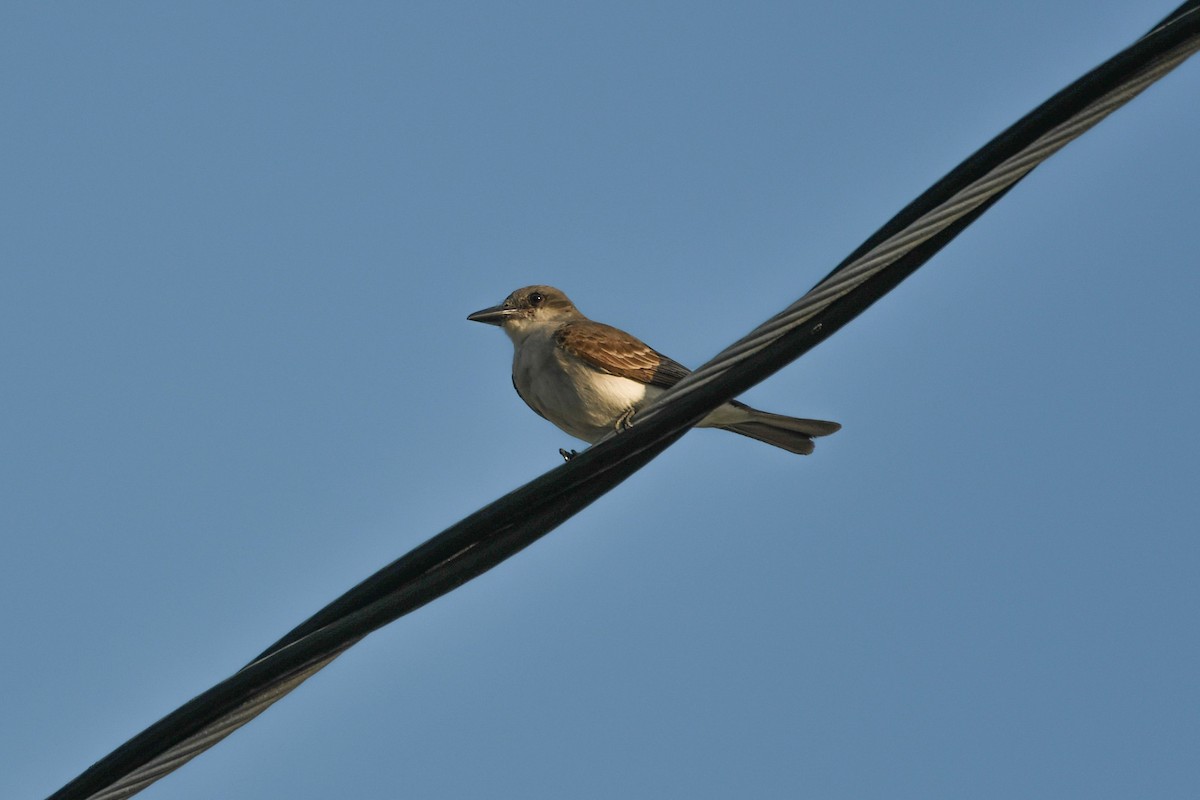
[[528, 308]]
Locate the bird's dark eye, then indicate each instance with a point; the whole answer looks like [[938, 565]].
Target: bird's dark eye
[[536, 299]]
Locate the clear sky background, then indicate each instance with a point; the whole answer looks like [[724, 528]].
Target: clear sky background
[[239, 243]]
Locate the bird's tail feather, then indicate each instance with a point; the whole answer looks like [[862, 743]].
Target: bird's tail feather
[[790, 433]]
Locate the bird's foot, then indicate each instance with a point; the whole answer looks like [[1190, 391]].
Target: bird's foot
[[625, 420], [567, 454]]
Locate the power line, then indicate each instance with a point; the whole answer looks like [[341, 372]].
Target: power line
[[506, 526]]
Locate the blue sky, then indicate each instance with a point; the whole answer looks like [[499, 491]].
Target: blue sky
[[239, 245]]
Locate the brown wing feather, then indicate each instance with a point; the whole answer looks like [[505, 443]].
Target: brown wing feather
[[614, 351]]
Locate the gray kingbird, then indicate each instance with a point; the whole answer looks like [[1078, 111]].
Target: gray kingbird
[[589, 378]]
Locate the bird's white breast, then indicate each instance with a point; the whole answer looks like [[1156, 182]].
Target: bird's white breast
[[581, 400]]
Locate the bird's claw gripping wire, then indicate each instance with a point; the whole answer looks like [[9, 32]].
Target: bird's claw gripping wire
[[567, 454]]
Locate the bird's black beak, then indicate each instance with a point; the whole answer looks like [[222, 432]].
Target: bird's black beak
[[493, 316]]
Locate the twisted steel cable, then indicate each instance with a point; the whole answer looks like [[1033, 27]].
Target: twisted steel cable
[[516, 520]]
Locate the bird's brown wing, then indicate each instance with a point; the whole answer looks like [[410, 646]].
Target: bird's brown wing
[[615, 352]]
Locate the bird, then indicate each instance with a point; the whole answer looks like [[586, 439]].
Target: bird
[[590, 379]]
